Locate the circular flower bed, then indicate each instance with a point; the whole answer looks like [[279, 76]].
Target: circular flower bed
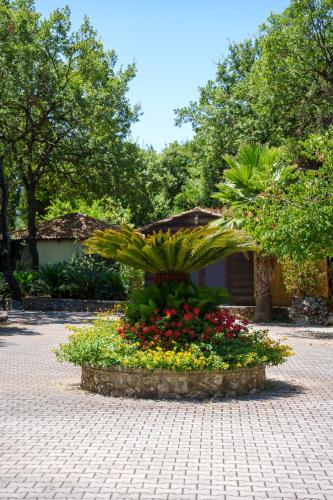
[[171, 341]]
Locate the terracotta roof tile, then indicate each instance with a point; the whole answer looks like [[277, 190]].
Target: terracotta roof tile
[[197, 210], [68, 227]]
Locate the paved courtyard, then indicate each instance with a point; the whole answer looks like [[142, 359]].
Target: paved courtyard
[[57, 441]]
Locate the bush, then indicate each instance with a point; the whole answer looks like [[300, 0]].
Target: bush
[[92, 284], [83, 277], [302, 279], [5, 292], [230, 344], [132, 279], [51, 278], [27, 281], [142, 303]]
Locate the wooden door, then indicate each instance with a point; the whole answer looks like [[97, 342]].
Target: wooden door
[[240, 278]]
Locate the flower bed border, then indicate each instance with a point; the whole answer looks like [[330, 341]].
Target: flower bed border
[[120, 381]]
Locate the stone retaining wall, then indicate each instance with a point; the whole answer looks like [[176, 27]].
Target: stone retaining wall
[[248, 312], [75, 305], [140, 383]]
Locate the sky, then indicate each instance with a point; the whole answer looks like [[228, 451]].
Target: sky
[[175, 44]]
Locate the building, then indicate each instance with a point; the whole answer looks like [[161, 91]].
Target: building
[[237, 272], [57, 239]]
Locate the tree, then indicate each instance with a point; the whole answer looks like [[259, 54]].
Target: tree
[[105, 209], [290, 86], [222, 118], [252, 172], [63, 105], [170, 257], [272, 89], [295, 220], [4, 227]]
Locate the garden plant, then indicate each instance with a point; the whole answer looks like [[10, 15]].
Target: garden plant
[[172, 324]]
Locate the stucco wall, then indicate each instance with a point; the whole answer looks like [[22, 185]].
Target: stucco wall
[[56, 250]]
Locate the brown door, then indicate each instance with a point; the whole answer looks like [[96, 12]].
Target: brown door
[[239, 278]]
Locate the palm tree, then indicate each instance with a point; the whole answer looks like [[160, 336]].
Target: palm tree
[[169, 256], [254, 170]]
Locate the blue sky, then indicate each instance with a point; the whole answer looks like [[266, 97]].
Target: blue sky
[[175, 44]]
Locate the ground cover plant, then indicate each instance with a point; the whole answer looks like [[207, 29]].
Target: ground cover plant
[[175, 339]]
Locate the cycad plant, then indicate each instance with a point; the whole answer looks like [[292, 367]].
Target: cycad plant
[[169, 256], [252, 172]]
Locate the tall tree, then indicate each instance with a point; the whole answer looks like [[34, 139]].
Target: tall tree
[[6, 265], [272, 89], [253, 171], [62, 104], [290, 86]]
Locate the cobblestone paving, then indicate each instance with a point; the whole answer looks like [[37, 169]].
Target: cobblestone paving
[[58, 442]]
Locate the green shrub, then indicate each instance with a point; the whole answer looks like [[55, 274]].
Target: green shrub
[[92, 284], [302, 279], [5, 292], [83, 277], [51, 278], [142, 303], [26, 281], [131, 278], [103, 345]]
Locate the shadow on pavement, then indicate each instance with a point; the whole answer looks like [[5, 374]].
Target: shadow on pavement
[[48, 317]]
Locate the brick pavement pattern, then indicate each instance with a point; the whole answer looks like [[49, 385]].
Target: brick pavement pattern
[[57, 441]]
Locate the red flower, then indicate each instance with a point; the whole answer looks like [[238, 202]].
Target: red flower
[[186, 307], [196, 311], [187, 316]]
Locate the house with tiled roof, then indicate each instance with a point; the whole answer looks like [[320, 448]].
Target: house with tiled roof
[[57, 239]]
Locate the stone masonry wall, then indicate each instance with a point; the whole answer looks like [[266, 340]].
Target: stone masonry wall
[[140, 383], [75, 305]]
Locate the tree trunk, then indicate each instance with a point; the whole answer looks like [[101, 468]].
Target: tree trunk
[[32, 226], [264, 266], [6, 246]]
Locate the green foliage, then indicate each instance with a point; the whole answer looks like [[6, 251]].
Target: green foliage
[[91, 284], [84, 277], [274, 89], [4, 288], [254, 170], [51, 278], [302, 279], [26, 281], [131, 278], [290, 85], [101, 345], [64, 111], [142, 303], [295, 220], [105, 209], [184, 251]]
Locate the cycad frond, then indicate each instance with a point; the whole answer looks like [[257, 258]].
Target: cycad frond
[[184, 251]]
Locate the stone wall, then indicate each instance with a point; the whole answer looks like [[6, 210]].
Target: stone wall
[[140, 383], [247, 312], [74, 305]]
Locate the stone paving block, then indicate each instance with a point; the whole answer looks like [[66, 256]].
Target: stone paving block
[[58, 442]]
